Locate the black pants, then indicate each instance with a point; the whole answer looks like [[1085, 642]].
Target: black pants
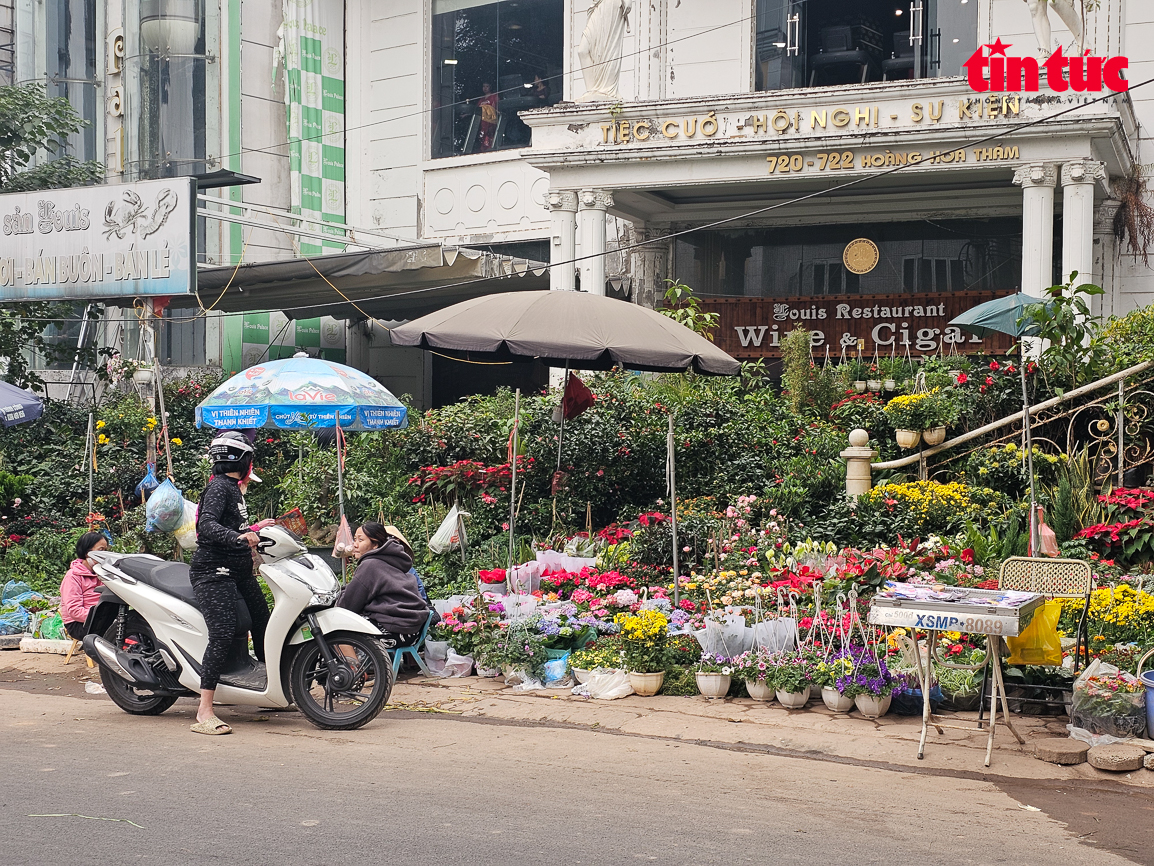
[[75, 630], [216, 599], [253, 595]]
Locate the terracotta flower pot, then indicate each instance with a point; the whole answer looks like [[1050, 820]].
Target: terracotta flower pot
[[712, 685], [794, 700], [871, 706], [646, 684], [835, 700], [934, 436], [908, 438], [759, 691]]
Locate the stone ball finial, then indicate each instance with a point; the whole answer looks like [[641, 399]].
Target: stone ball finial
[[859, 438]]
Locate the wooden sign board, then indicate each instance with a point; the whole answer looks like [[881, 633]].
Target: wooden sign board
[[890, 325]]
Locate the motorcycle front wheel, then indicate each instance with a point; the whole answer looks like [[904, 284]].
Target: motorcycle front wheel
[[344, 706]]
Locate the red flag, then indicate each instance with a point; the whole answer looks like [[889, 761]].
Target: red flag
[[577, 398]]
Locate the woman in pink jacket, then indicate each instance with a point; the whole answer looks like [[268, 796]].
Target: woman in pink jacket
[[80, 589]]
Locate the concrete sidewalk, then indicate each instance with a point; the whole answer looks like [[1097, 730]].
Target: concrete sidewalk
[[815, 732], [738, 723]]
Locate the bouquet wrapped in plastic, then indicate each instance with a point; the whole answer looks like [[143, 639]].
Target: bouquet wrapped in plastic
[[1109, 701]]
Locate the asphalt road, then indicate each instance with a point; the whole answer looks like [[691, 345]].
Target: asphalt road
[[424, 788]]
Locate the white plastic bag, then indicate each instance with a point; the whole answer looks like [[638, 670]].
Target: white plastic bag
[[523, 681], [525, 578], [446, 605], [457, 666], [186, 532], [435, 653], [164, 509], [727, 637], [776, 635], [605, 684], [519, 607], [448, 534]]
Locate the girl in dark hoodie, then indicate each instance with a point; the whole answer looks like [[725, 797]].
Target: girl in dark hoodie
[[383, 590]]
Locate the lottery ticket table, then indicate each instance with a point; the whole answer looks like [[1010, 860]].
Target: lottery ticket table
[[995, 613]]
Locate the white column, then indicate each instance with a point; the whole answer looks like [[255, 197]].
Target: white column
[[1037, 180], [562, 205], [648, 266], [1105, 305], [1078, 179], [591, 216]]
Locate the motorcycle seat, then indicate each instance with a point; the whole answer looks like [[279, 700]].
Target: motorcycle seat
[[173, 578]]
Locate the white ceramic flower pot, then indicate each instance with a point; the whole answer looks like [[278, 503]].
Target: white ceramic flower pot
[[908, 438], [835, 700], [488, 673], [891, 384], [646, 684], [934, 436], [759, 691], [713, 685], [860, 386], [874, 384], [794, 700], [142, 376], [580, 674], [871, 706]]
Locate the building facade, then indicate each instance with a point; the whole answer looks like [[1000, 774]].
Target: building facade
[[823, 163]]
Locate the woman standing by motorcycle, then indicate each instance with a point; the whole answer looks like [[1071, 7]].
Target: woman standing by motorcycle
[[222, 567]]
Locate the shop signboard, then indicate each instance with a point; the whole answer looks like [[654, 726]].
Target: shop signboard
[[890, 325], [98, 242]]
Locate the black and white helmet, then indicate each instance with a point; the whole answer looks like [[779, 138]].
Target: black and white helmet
[[230, 447]]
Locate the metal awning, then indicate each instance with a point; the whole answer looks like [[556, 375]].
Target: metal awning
[[396, 283]]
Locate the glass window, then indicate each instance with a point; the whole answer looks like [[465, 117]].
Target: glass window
[[182, 338], [922, 257], [490, 61], [815, 43], [70, 59]]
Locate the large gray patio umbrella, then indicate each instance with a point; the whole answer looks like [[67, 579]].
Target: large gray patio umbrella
[[573, 329], [1008, 316], [570, 330]]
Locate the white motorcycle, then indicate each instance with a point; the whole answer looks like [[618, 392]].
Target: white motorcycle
[[149, 638]]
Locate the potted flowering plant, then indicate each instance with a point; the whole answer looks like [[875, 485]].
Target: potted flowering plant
[[755, 669], [605, 652], [118, 368], [714, 673], [938, 412], [792, 678], [906, 414], [826, 675], [643, 635], [493, 580], [871, 685], [521, 653], [1109, 703]]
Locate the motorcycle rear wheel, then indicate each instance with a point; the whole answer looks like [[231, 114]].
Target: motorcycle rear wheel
[[121, 691], [341, 710]]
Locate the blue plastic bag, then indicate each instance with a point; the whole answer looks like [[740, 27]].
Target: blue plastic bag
[[164, 511], [557, 673], [14, 620], [148, 483], [12, 589]]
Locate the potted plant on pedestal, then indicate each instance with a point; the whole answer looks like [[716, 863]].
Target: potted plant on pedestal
[[643, 637], [905, 413], [826, 675], [756, 670], [714, 674], [792, 679]]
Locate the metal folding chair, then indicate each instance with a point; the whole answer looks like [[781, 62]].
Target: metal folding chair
[[1054, 578]]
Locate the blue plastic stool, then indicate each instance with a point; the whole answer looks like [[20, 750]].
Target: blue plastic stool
[[397, 653]]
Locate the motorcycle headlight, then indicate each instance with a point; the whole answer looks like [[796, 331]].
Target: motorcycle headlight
[[325, 599]]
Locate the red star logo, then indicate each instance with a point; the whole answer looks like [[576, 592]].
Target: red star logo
[[998, 47]]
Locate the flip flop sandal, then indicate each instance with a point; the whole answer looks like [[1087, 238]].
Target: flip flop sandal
[[214, 727]]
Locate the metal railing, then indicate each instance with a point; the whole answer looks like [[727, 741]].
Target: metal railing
[[1121, 432]]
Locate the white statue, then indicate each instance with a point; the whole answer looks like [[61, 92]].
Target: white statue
[[600, 49], [1040, 13]]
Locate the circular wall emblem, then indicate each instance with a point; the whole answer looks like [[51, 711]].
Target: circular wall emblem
[[860, 256]]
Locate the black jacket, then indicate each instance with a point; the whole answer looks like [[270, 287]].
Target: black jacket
[[385, 593], [220, 522]]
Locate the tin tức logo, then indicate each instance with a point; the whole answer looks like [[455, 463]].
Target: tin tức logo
[[997, 71]]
